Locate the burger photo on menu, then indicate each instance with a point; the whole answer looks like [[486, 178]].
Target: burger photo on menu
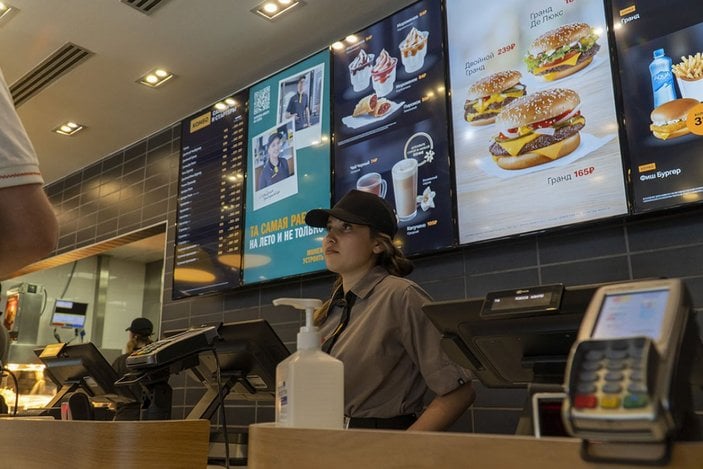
[[538, 128], [669, 119], [562, 51], [490, 94]]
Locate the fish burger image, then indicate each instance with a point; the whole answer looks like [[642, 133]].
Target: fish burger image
[[669, 119], [538, 128], [562, 51], [488, 95]]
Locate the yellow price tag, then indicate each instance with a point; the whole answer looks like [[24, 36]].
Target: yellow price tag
[[694, 121]]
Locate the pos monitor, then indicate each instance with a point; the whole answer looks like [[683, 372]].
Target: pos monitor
[[81, 367], [513, 338], [248, 353]]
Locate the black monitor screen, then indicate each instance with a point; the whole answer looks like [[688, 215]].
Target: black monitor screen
[[515, 350], [251, 348], [69, 314], [82, 366]]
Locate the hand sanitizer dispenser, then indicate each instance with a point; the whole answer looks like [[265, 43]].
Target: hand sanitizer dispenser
[[309, 383]]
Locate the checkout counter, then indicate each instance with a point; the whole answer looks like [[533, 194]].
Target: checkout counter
[[616, 358]]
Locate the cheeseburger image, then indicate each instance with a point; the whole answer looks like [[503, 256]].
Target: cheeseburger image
[[488, 95], [562, 51], [538, 128], [669, 119]]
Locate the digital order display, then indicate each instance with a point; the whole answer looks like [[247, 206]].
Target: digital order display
[[539, 299], [288, 171], [207, 255], [533, 110], [390, 123], [638, 314], [659, 48]]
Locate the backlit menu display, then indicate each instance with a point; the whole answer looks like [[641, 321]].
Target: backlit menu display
[[660, 54], [390, 123], [209, 224], [533, 112], [289, 170]]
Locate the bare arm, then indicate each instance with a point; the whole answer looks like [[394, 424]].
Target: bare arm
[[444, 410], [28, 227]]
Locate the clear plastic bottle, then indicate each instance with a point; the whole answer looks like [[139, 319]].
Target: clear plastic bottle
[[663, 89], [309, 383]]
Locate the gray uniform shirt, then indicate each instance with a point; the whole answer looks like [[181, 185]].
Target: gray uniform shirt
[[390, 350]]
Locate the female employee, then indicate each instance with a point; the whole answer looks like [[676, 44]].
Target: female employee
[[375, 325]]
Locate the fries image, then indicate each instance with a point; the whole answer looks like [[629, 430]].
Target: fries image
[[690, 68]]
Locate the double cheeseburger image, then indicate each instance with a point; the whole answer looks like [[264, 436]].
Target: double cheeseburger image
[[538, 128], [490, 94], [562, 51], [669, 119]]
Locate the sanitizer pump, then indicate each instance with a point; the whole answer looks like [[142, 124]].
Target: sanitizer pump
[[309, 383]]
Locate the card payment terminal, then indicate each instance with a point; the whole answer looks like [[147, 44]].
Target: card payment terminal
[[623, 367]]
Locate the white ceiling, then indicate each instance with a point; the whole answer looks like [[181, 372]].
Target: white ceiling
[[215, 47]]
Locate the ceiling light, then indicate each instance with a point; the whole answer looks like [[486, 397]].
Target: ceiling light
[[155, 77], [337, 45], [220, 106], [69, 128], [272, 9], [351, 39], [6, 12]]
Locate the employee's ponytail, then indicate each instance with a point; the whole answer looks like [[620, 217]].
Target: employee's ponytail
[[392, 258]]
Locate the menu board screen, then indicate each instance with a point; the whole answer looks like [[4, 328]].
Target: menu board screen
[[660, 55], [535, 129], [390, 123], [210, 198], [289, 171]]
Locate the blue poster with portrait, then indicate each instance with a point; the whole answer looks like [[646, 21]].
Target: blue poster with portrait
[[390, 123], [288, 174]]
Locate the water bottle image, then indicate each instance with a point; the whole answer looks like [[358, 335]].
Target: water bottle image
[[662, 79]]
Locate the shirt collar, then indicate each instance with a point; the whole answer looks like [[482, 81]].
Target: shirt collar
[[373, 277]]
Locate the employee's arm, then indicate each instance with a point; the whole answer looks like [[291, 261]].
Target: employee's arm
[[28, 226], [444, 410]]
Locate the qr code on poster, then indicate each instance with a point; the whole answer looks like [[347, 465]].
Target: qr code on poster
[[262, 100]]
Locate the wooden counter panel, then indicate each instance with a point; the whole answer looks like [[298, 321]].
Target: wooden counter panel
[[28, 444], [271, 447]]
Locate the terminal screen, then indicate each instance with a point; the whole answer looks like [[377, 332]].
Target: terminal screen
[[635, 314]]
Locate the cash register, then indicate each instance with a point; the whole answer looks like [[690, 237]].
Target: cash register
[[562, 343], [151, 367]]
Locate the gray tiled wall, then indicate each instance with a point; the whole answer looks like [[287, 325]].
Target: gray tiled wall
[[136, 188]]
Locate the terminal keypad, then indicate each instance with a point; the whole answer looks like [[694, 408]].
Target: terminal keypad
[[613, 376]]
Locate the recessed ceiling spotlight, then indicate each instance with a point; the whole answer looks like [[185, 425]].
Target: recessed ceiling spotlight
[[155, 77], [351, 39], [338, 45], [69, 128], [220, 106], [6, 12], [272, 9]]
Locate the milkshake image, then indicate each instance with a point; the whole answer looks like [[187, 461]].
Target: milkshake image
[[404, 175]]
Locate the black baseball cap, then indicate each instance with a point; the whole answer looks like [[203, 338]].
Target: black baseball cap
[[361, 208], [274, 136], [141, 326]]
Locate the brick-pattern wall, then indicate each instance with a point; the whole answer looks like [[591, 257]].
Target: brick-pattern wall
[[136, 188]]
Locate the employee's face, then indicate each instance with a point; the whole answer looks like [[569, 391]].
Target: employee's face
[[349, 248], [301, 86], [274, 148]]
